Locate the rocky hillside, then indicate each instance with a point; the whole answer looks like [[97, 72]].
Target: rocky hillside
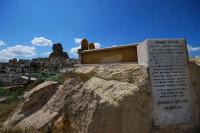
[[109, 98]]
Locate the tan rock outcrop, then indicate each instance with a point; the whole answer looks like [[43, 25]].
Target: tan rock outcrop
[[101, 106], [42, 106], [127, 72], [106, 98], [98, 104]]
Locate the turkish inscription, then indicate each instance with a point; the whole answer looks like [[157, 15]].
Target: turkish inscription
[[169, 79]]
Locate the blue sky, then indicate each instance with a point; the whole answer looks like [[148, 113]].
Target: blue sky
[[29, 27]]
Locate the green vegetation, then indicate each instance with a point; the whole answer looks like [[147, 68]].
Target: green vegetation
[[57, 77], [13, 99], [11, 95], [44, 76], [34, 84], [7, 108]]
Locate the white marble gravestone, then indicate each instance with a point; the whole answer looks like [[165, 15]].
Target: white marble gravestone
[[167, 61]]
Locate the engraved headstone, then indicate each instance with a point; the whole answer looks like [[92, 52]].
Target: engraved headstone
[[167, 60]]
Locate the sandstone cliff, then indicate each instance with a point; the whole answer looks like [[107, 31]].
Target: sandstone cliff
[[109, 98]]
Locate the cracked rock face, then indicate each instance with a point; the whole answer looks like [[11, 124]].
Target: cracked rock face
[[99, 104]]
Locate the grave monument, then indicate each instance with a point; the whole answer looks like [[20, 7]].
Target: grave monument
[[168, 66]]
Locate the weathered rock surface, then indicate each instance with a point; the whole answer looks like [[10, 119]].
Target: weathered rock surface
[[108, 98], [42, 105], [101, 106], [128, 72]]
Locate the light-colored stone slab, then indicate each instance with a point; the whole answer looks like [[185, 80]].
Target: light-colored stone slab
[[167, 60], [142, 54]]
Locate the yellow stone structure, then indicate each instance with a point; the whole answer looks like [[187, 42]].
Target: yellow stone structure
[[84, 44], [91, 46], [127, 53]]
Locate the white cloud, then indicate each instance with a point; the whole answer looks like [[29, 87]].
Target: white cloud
[[46, 53], [97, 45], [2, 43], [73, 51], [41, 41], [77, 41], [114, 46], [193, 49], [18, 51]]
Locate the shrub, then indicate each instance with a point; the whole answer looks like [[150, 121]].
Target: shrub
[[57, 77], [11, 95], [6, 109]]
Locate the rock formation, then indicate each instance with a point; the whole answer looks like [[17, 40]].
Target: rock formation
[[113, 98], [58, 52], [107, 98], [41, 106]]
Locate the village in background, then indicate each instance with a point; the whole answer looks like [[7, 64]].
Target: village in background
[[18, 76], [20, 72]]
